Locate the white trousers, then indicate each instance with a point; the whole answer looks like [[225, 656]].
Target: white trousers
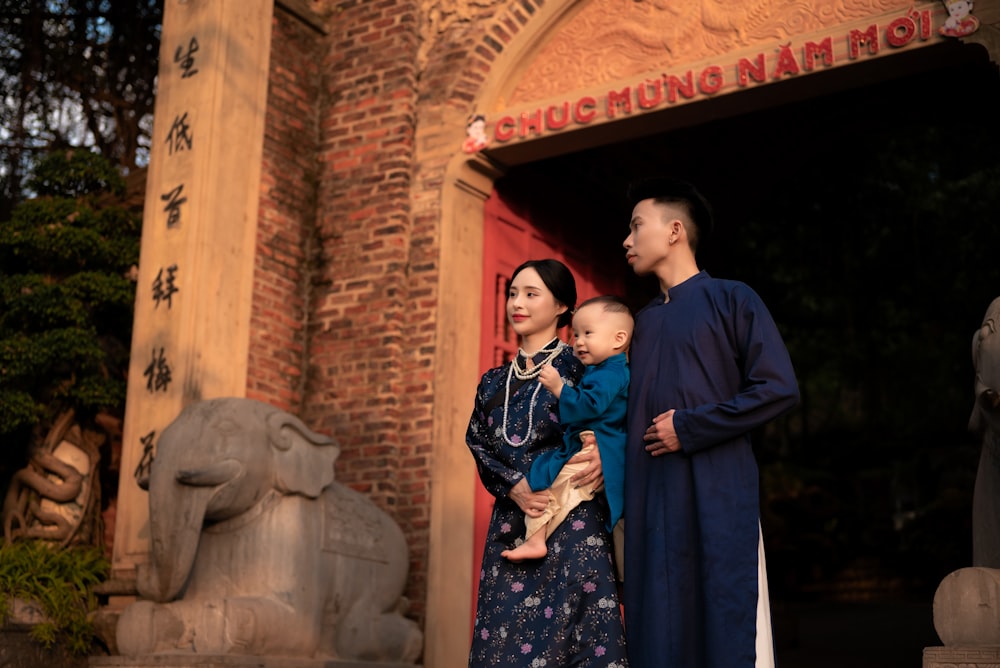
[[765, 640]]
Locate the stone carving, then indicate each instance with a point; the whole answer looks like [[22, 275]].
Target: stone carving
[[967, 608], [436, 18], [55, 497], [256, 550], [647, 35], [967, 602], [985, 421]]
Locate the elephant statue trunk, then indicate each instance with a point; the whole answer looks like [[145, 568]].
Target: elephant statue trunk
[[173, 546]]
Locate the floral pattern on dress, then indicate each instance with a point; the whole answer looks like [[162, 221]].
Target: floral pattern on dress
[[563, 609]]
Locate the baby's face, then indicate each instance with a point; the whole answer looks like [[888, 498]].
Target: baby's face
[[595, 334]]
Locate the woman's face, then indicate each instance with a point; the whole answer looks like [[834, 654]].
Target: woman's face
[[531, 307]]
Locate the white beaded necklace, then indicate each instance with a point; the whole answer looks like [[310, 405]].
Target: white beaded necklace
[[527, 374]]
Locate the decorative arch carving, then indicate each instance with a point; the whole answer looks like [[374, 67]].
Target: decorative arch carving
[[536, 44], [650, 34]]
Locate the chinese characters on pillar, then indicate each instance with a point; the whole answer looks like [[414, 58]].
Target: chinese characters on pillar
[[141, 473], [186, 58], [165, 286], [157, 373], [173, 207], [179, 137]]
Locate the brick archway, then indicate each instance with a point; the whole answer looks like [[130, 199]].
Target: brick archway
[[465, 183], [500, 61]]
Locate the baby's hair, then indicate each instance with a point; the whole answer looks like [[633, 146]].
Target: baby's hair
[[610, 304]]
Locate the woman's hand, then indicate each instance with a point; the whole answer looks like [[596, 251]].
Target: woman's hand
[[594, 473], [531, 503]]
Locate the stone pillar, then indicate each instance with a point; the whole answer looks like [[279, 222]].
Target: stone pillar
[[192, 311], [468, 183]]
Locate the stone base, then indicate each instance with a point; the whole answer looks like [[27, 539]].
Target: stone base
[[230, 661], [962, 657]]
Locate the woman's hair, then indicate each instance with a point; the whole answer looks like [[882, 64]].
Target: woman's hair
[[560, 282]]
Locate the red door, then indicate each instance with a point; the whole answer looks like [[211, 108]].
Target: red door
[[511, 238]]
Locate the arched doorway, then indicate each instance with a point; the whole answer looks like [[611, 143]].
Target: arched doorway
[[596, 161]]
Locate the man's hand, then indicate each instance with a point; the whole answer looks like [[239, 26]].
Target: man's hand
[[660, 437]]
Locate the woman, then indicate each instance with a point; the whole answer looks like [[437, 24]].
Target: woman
[[561, 610]]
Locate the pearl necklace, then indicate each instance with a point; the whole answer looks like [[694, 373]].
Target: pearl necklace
[[527, 374]]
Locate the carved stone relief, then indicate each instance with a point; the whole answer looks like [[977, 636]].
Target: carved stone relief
[[436, 18], [649, 34]]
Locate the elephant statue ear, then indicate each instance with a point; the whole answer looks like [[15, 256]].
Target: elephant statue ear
[[985, 351], [976, 423], [303, 458]]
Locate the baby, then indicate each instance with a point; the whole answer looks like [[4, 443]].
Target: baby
[[602, 329]]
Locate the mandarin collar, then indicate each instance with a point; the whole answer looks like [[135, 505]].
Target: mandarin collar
[[617, 359], [682, 288]]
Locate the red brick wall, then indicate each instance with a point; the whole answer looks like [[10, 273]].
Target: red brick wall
[[372, 325], [286, 233], [346, 283]]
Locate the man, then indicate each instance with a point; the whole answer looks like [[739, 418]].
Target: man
[[708, 367]]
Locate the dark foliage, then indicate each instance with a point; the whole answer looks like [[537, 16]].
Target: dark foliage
[[66, 296], [75, 73]]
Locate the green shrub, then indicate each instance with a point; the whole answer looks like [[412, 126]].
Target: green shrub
[[60, 581], [67, 292]]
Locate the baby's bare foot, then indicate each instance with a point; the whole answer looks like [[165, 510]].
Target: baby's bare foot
[[525, 551]]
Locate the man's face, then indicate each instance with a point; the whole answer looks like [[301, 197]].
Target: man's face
[[647, 245]]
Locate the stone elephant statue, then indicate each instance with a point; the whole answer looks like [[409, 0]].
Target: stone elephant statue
[[256, 550], [985, 421]]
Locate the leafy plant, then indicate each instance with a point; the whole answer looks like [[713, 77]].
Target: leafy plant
[[66, 294], [60, 582]]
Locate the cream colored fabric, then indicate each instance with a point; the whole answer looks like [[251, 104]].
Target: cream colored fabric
[[564, 496]]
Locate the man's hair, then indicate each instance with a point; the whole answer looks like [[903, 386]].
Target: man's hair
[[676, 192]]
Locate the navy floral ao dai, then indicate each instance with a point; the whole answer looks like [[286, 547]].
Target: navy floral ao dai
[[561, 610]]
